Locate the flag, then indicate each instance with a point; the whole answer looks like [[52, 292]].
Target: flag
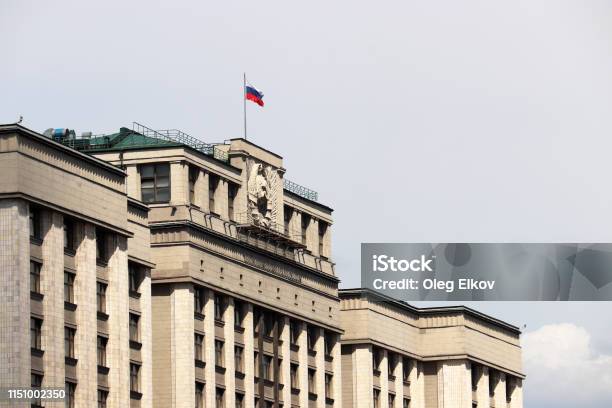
[[252, 94]]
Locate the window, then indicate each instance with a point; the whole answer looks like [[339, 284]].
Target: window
[[406, 403], [198, 300], [269, 321], [267, 367], [101, 254], [197, 344], [322, 232], [134, 277], [406, 365], [102, 351], [238, 361], [376, 359], [68, 287], [219, 360], [328, 386], [294, 332], [35, 277], [474, 371], [219, 307], [492, 383], [35, 333], [70, 391], [238, 306], [287, 218], [69, 334], [199, 395], [305, 223], [255, 359], [219, 398], [134, 334], [311, 381], [312, 337], [155, 183], [293, 375], [101, 296], [134, 377], [193, 177], [391, 400], [239, 400], [329, 343], [35, 227], [232, 191], [69, 234], [391, 362], [102, 397], [376, 396], [213, 182], [36, 382]]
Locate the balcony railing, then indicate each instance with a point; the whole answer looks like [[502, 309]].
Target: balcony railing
[[301, 190], [268, 230]]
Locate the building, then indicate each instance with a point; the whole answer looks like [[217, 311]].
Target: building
[[396, 355], [75, 264], [197, 275]]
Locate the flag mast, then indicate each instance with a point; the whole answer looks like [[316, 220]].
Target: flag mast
[[244, 103]]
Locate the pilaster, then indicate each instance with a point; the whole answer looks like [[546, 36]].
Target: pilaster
[[230, 364], [249, 360]]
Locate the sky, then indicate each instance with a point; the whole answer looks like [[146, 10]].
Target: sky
[[417, 121]]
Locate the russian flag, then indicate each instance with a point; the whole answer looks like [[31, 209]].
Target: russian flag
[[252, 94]]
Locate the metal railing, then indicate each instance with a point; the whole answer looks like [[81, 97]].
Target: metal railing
[[300, 190], [278, 228]]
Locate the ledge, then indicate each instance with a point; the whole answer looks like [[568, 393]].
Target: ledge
[[135, 395], [35, 240], [240, 375], [136, 345], [239, 329], [71, 361], [70, 306], [198, 316], [102, 316], [69, 251], [36, 296], [103, 369], [134, 294], [199, 363], [219, 369], [36, 352]]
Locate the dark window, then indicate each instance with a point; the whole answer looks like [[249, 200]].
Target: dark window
[[102, 351], [135, 277], [376, 396], [474, 371], [193, 177], [294, 332], [406, 403], [199, 395], [406, 366], [198, 300], [376, 358], [213, 182], [238, 362], [305, 223], [312, 337], [35, 227], [329, 344], [101, 253], [102, 397], [293, 374], [219, 307], [219, 398], [134, 333], [238, 306], [239, 400], [328, 386], [232, 191], [391, 400], [134, 377], [101, 296], [70, 391], [311, 381], [267, 367], [391, 361], [492, 382], [35, 277], [69, 334], [269, 320], [322, 232], [287, 216], [155, 183], [36, 381], [69, 243], [198, 343], [219, 360], [68, 287], [35, 333]]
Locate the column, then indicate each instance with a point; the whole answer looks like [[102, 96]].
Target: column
[[183, 358], [221, 200], [320, 365], [337, 367], [500, 390], [285, 351], [362, 376], [52, 287], [398, 373], [482, 388], [516, 398], [303, 367], [313, 236], [327, 243], [117, 348], [249, 361], [15, 360], [384, 379], [133, 181], [201, 190], [417, 385], [86, 318], [454, 384], [230, 364], [146, 371], [209, 349], [179, 184]]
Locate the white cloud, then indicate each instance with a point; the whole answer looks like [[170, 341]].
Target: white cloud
[[563, 369]]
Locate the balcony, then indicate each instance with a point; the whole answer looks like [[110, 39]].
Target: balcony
[[257, 232]]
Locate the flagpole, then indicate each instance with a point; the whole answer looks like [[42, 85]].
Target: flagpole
[[244, 103]]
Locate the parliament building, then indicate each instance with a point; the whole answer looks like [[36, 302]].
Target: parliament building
[[147, 268]]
